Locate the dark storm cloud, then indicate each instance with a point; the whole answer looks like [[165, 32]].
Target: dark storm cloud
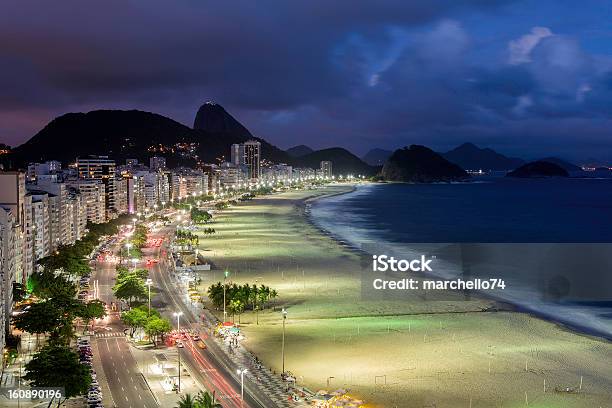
[[354, 73]]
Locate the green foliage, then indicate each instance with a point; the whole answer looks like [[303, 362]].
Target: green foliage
[[93, 309], [134, 318], [48, 284], [236, 307], [209, 231], [202, 400], [222, 205], [58, 366], [186, 238], [131, 288], [200, 216], [249, 296], [39, 318], [157, 326]]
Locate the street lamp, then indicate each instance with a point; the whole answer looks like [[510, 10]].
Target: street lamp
[[149, 282], [284, 312], [242, 373], [178, 351], [128, 246], [225, 275]]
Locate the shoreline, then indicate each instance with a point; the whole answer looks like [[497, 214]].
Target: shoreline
[[333, 332], [504, 305]]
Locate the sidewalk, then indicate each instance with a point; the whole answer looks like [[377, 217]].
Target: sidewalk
[[266, 380], [159, 367]]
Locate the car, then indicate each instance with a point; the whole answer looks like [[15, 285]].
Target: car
[[196, 337], [180, 344]]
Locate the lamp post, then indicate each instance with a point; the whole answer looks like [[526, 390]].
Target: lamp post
[[128, 246], [225, 275], [242, 373], [284, 312], [149, 282], [178, 351]]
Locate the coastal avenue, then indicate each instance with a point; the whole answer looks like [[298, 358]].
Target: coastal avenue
[[212, 367], [125, 381]]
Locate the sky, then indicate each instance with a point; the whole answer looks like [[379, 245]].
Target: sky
[[527, 78]]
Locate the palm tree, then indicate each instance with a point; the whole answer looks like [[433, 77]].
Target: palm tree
[[187, 401], [273, 294], [206, 400]]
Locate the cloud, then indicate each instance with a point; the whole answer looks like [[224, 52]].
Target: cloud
[[350, 72], [520, 49]]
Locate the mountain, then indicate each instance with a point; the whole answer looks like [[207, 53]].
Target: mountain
[[471, 157], [343, 161], [538, 169], [137, 134], [299, 151], [562, 163], [213, 118], [419, 164], [376, 157]]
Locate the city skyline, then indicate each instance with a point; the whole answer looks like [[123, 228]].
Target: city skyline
[[529, 79]]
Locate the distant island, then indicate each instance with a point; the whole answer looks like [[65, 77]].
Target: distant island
[[539, 169], [419, 164], [471, 157]]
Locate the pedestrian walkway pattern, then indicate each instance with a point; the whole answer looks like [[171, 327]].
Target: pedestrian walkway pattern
[[272, 385], [110, 334]]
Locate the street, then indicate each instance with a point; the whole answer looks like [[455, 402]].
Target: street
[[125, 381]]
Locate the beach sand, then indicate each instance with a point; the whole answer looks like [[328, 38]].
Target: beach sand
[[439, 353]]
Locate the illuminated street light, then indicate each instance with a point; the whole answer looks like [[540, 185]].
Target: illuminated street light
[[242, 373], [178, 351], [284, 313], [225, 275], [149, 282]]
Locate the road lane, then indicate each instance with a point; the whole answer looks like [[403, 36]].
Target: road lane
[[125, 381], [212, 362]]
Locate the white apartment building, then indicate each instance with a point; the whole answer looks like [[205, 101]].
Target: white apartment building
[[8, 264], [13, 196], [278, 173], [101, 168], [41, 225], [94, 198]]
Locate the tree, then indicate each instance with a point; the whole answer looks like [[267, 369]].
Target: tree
[[236, 306], [135, 318], [130, 289], [215, 294], [202, 400], [40, 318], [48, 284], [93, 309], [58, 366], [157, 326], [206, 400], [186, 401]]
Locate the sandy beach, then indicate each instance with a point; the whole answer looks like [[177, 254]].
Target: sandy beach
[[412, 352]]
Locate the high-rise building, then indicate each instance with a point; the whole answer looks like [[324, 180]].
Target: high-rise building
[[101, 168], [237, 155], [252, 156], [41, 225], [13, 196], [326, 169], [93, 198], [248, 154], [8, 268]]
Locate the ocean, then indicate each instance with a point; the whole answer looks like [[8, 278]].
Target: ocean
[[549, 239]]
